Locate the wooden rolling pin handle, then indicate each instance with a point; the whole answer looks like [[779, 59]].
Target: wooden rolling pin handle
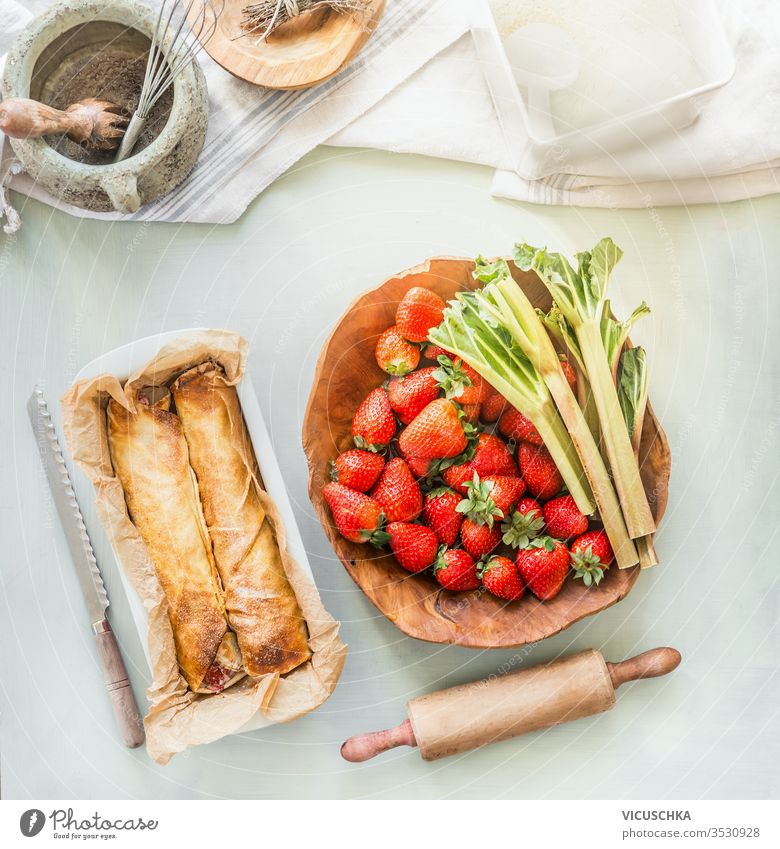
[[649, 664], [363, 747], [118, 686], [21, 118]]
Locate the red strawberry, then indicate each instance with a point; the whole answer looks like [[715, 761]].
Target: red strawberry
[[492, 407], [374, 424], [398, 492], [436, 432], [539, 471], [460, 382], [471, 412], [455, 569], [394, 354], [440, 514], [413, 392], [505, 491], [568, 372], [543, 565], [357, 469], [524, 524], [514, 425], [419, 311], [357, 516], [414, 546], [491, 457], [421, 468], [563, 518], [433, 352], [479, 540], [591, 554], [500, 577]]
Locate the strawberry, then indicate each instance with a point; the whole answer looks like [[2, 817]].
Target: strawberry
[[568, 372], [543, 566], [358, 517], [410, 394], [460, 382], [563, 518], [421, 467], [493, 406], [440, 514], [500, 577], [394, 354], [478, 505], [398, 492], [505, 491], [435, 432], [538, 470], [471, 412], [419, 311], [591, 554], [414, 546], [524, 524], [491, 457], [479, 540], [374, 423], [357, 469], [455, 569], [514, 425], [433, 352]]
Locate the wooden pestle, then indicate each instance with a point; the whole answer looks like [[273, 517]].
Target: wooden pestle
[[94, 123], [472, 715]]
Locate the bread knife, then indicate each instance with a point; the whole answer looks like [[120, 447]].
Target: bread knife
[[119, 690]]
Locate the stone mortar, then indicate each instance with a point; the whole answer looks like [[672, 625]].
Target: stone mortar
[[117, 31]]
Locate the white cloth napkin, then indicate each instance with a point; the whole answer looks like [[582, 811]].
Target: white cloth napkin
[[256, 134], [731, 152]]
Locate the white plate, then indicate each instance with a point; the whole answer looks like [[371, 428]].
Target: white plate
[[122, 362]]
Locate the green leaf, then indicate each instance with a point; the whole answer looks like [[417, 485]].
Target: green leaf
[[601, 262], [632, 386]]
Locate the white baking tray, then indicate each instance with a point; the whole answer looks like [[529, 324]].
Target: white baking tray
[[122, 362], [535, 157]]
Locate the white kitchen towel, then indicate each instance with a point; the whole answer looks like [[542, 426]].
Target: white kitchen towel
[[731, 152], [256, 134]]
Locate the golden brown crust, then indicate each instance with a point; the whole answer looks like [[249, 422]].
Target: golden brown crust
[[150, 458], [261, 605]]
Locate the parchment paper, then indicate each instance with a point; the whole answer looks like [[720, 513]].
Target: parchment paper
[[179, 718]]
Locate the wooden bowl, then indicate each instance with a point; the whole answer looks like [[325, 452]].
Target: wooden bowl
[[416, 604], [307, 50]]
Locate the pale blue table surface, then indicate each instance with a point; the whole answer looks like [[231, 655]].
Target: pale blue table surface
[[337, 224]]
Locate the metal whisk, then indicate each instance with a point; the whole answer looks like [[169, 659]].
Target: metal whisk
[[186, 26]]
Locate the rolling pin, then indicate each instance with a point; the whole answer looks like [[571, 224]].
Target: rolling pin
[[472, 715]]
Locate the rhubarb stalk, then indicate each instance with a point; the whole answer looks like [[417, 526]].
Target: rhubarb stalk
[[489, 348], [632, 394], [505, 302], [580, 295]]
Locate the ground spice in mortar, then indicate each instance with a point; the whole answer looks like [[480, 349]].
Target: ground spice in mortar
[[116, 75]]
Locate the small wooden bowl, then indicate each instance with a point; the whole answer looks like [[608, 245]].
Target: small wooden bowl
[[307, 50], [416, 604]]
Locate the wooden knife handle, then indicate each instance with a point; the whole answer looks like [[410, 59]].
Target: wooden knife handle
[[649, 664], [363, 747], [119, 690]]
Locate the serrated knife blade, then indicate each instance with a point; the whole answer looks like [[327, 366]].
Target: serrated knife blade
[[117, 683], [80, 547]]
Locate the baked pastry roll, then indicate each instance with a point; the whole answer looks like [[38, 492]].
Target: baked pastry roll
[[261, 605], [149, 455]]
